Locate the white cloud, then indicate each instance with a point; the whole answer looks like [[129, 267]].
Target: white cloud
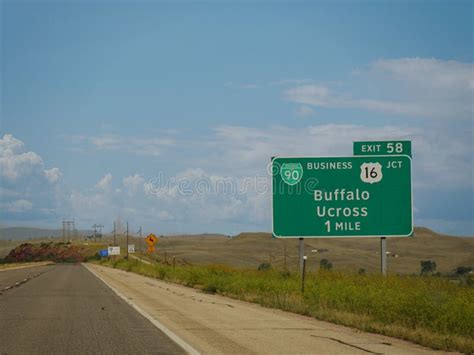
[[7, 193], [316, 95], [164, 216], [321, 96], [415, 87], [145, 146], [304, 111], [429, 72], [439, 159], [14, 163], [199, 198], [245, 147], [133, 183], [26, 189], [17, 206], [53, 175], [105, 182]]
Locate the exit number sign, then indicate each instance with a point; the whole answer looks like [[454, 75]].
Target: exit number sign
[[382, 148]]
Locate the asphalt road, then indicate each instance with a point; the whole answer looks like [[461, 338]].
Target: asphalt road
[[67, 310]]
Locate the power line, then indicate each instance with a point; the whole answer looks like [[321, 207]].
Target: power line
[[95, 226], [67, 224]]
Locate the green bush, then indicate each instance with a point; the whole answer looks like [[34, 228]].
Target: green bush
[[264, 266], [325, 264], [427, 266]]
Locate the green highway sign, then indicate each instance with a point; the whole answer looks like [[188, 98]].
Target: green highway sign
[[358, 196], [382, 148]]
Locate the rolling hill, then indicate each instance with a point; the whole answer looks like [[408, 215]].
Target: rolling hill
[[252, 249]]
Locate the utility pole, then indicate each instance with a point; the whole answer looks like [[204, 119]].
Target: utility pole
[[68, 224], [95, 226], [64, 231], [95, 232], [127, 240], [140, 239], [74, 228], [68, 231], [100, 229], [114, 234]]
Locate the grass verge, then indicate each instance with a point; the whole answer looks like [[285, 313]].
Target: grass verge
[[21, 265], [426, 310]]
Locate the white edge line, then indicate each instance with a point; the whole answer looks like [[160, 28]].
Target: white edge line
[[173, 336]]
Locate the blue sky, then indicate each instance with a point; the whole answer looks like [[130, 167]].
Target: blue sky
[[101, 98]]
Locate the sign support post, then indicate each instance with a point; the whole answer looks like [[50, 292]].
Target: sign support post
[[115, 243], [301, 255], [304, 272], [127, 241], [383, 256]]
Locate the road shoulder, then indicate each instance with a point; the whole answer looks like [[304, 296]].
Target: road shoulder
[[217, 324], [26, 265]]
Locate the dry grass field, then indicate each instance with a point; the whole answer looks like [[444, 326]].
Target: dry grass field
[[249, 250]]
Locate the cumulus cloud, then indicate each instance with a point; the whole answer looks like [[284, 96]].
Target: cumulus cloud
[[198, 196], [28, 190], [105, 182], [14, 161], [53, 175], [17, 163], [133, 183], [229, 187]]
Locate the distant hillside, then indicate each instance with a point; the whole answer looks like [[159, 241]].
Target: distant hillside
[[252, 249], [24, 233]]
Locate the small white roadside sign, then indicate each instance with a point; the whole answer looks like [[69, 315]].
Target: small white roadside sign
[[131, 248], [113, 250]]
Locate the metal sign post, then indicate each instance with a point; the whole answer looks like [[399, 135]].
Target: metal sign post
[[383, 255], [303, 274], [301, 256], [127, 241]]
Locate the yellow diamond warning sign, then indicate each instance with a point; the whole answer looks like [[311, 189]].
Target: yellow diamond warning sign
[[151, 240]]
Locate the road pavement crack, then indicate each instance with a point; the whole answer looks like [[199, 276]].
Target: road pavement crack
[[348, 344]]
